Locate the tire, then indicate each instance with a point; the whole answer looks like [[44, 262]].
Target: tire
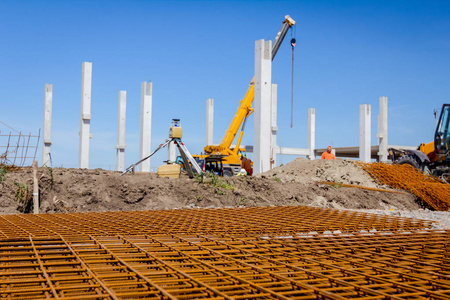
[[410, 160], [227, 173]]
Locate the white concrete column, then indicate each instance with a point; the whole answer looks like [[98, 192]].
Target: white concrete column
[[85, 120], [46, 135], [209, 121], [146, 125], [171, 152], [120, 161], [382, 134], [274, 127], [262, 118], [364, 132], [311, 132]]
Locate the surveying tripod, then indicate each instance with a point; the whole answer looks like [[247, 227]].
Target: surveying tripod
[[185, 155], [175, 134]]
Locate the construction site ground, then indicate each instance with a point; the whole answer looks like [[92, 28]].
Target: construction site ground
[[289, 233], [297, 183], [300, 182]]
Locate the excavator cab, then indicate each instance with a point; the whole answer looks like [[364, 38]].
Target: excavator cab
[[434, 157], [442, 135]]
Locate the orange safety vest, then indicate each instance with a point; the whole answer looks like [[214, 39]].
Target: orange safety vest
[[327, 155]]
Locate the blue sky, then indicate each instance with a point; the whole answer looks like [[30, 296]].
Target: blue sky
[[348, 53]]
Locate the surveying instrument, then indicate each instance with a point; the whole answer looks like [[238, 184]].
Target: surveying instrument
[[189, 163]]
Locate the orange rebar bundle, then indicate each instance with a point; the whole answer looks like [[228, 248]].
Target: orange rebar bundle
[[431, 190]]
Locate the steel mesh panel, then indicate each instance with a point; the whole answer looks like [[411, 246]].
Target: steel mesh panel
[[431, 190], [258, 253], [280, 220]]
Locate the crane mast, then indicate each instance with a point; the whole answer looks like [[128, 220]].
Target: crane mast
[[245, 107]]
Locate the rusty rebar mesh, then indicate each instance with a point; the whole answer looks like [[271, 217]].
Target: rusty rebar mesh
[[406, 265], [257, 220], [431, 190], [253, 253]]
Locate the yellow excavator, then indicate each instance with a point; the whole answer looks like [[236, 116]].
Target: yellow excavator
[[231, 156], [434, 157]]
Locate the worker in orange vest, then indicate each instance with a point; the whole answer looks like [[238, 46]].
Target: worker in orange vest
[[327, 154]]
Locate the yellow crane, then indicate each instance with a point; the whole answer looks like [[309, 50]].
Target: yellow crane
[[231, 156]]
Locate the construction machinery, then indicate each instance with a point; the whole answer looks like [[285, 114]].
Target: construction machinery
[[434, 157], [171, 169], [231, 156]]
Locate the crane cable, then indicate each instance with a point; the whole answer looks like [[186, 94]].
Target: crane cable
[[292, 81]]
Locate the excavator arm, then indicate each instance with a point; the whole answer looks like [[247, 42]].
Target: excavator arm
[[245, 107]]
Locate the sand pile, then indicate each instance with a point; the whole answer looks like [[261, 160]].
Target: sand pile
[[302, 170]]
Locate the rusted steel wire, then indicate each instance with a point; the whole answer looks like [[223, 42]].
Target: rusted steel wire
[[337, 184], [407, 265], [254, 253], [15, 148], [409, 272], [429, 189], [36, 268], [258, 220]]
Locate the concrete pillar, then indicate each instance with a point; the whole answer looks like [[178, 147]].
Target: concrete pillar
[[311, 132], [120, 162], [209, 121], [46, 135], [262, 117], [274, 127], [85, 120], [146, 125], [364, 132], [171, 152], [382, 134]]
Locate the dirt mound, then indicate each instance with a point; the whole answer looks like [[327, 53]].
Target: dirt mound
[[302, 170], [81, 190]]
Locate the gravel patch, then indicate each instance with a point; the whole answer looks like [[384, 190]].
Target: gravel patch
[[441, 218]]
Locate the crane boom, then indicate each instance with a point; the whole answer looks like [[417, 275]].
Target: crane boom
[[245, 107], [287, 23]]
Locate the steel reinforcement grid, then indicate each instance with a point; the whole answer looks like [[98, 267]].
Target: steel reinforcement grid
[[257, 220], [431, 190], [266, 253]]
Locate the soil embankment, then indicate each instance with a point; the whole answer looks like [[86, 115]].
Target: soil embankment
[[297, 183]]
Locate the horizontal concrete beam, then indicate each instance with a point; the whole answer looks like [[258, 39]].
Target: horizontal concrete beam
[[293, 151], [353, 152]]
